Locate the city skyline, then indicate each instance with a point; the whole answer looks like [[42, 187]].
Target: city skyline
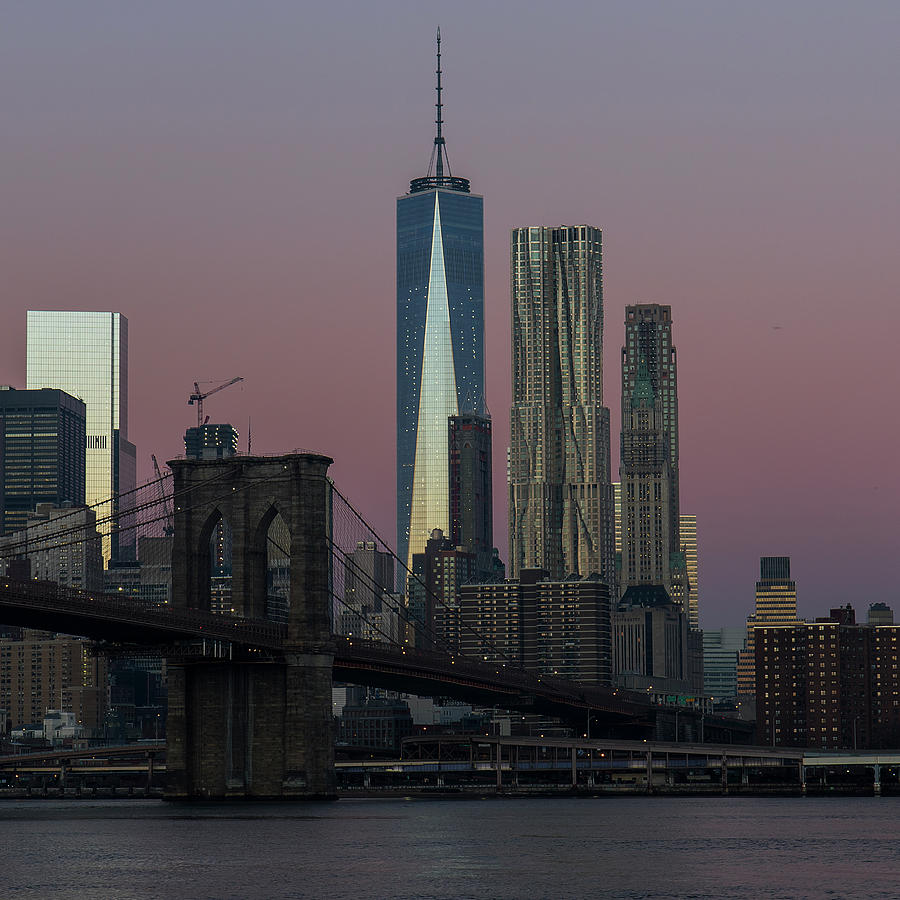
[[755, 204]]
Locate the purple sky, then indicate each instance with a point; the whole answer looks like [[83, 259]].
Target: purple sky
[[224, 174]]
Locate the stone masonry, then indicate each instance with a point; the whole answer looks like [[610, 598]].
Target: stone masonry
[[253, 726]]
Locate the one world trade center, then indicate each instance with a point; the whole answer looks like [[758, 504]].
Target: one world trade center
[[440, 336]]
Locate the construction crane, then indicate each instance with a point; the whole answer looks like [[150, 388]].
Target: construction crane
[[168, 528], [199, 396]]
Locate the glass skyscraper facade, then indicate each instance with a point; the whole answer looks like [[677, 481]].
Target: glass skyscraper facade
[[440, 339], [42, 455], [86, 355]]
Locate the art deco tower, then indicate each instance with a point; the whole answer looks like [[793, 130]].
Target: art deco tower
[[440, 336], [651, 552], [560, 497]]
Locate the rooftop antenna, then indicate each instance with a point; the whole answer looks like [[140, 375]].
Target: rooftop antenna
[[439, 156], [439, 146]]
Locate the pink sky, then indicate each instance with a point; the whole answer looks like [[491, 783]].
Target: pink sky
[[224, 174]]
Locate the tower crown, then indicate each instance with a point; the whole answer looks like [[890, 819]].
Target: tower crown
[[439, 157]]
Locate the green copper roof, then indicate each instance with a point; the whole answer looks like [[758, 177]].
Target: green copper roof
[[643, 389]]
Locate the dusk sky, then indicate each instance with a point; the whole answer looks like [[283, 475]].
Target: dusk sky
[[225, 175]]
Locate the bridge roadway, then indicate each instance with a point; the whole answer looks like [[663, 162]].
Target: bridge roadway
[[121, 620]]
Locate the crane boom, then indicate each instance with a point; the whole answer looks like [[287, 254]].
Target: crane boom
[[199, 396], [168, 528]]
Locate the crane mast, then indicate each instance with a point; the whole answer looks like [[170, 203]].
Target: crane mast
[[199, 396]]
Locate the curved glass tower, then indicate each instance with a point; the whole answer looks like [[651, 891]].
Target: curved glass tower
[[440, 336]]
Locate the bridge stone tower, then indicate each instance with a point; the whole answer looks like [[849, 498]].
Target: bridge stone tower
[[253, 725]]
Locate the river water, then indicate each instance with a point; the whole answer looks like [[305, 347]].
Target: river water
[[623, 847]]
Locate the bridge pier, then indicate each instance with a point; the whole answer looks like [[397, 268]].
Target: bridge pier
[[254, 730], [254, 727]]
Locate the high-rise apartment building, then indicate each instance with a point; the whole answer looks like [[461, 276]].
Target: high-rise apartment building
[[42, 453], [440, 337], [560, 495], [86, 355], [559, 628], [776, 604], [688, 538], [651, 550], [830, 684], [41, 671], [471, 490]]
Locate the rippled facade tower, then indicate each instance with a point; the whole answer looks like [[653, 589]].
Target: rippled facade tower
[[561, 511], [440, 337]]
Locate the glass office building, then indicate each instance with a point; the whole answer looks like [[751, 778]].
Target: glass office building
[[86, 355], [440, 339], [42, 455]]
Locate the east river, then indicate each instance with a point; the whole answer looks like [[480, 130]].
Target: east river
[[630, 847]]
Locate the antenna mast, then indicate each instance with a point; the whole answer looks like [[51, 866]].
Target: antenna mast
[[439, 121]]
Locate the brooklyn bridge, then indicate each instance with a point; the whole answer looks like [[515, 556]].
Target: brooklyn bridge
[[249, 692]]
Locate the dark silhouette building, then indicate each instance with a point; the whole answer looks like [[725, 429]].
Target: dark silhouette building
[[471, 491]]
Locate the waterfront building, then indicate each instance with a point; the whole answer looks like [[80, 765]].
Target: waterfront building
[[550, 627], [86, 355], [43, 671], [561, 509], [42, 453], [651, 547], [829, 684], [377, 723], [440, 337]]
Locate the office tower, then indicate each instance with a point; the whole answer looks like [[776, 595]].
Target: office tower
[[830, 684], [210, 442], [370, 609], [776, 604], [720, 663], [86, 355], [559, 628], [42, 455], [650, 643], [651, 551], [560, 496], [440, 336], [880, 614], [688, 537], [437, 573], [471, 490], [61, 544]]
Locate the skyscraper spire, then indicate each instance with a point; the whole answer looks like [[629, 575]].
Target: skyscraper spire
[[439, 147], [439, 158]]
